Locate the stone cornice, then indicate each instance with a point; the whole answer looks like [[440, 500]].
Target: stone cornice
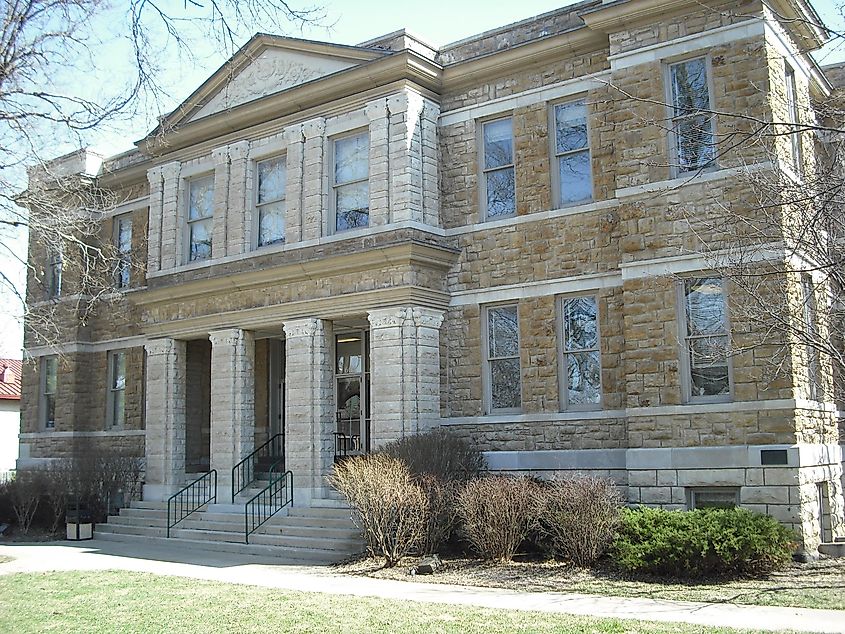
[[410, 252]]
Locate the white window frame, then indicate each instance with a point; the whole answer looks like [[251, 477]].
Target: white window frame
[[557, 156], [793, 118], [124, 257], [335, 186], [484, 170], [674, 152], [188, 231], [685, 354], [487, 366], [45, 365], [563, 355], [113, 420], [259, 204], [53, 273]]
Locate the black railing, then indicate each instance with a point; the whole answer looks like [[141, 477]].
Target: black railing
[[269, 501], [346, 445], [261, 460], [197, 494]]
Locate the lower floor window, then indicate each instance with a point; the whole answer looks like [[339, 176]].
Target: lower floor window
[[580, 367], [502, 368], [713, 498]]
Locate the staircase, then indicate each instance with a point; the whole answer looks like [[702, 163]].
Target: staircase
[[320, 534]]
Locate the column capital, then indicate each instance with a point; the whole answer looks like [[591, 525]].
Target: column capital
[[428, 317], [154, 173], [387, 317], [226, 337], [314, 128], [239, 149], [155, 347], [171, 170], [220, 154], [306, 327]]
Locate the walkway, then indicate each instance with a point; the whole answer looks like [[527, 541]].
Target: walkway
[[229, 568]]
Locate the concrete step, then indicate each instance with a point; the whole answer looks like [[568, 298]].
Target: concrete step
[[839, 539], [833, 549], [333, 512], [292, 555]]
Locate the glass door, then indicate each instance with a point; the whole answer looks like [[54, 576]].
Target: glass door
[[352, 389]]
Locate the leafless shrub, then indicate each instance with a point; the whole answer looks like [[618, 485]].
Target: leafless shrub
[[26, 494], [440, 519], [438, 453], [495, 514], [577, 517], [390, 508], [56, 480]]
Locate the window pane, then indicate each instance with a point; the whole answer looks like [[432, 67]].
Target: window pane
[[715, 499], [348, 350], [353, 206], [705, 307], [689, 87], [696, 146], [583, 378], [710, 381], [118, 371], [118, 408], [708, 351], [575, 183], [124, 235], [501, 193], [505, 383], [503, 332], [570, 127], [498, 143], [351, 158], [50, 371], [349, 396], [201, 198], [271, 180], [200, 240], [50, 414], [271, 224], [580, 323]]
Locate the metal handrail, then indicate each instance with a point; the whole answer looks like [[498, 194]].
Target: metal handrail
[[243, 473], [191, 498], [269, 501]]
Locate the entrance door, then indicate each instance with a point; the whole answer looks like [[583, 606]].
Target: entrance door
[[276, 392], [352, 389]]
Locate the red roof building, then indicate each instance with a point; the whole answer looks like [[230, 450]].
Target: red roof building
[[10, 379]]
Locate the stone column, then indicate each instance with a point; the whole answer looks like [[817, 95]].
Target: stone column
[[165, 437], [309, 405], [232, 402], [156, 180], [430, 154], [379, 166], [295, 142], [405, 378], [172, 217], [239, 208], [315, 185]]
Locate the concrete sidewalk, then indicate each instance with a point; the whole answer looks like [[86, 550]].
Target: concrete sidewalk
[[229, 568]]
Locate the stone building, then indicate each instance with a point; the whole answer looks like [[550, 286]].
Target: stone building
[[348, 244]]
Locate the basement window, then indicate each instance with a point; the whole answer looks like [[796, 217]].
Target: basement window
[[713, 498]]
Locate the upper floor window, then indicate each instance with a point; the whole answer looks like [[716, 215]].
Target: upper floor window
[[581, 367], [501, 359], [811, 312], [573, 179], [123, 245], [498, 173], [793, 119], [692, 119], [270, 200], [351, 186], [116, 396], [200, 217], [53, 274], [706, 340], [49, 376]]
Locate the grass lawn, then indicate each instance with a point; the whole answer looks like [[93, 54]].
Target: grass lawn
[[816, 585], [135, 602]]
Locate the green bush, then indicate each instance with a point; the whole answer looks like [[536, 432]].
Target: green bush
[[437, 453], [705, 542]]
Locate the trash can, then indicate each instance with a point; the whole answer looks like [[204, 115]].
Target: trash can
[[79, 524]]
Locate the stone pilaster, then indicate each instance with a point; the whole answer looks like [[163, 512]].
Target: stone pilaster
[[295, 143], [232, 402], [315, 194], [309, 405], [239, 210], [405, 380], [405, 156], [156, 181], [220, 221], [430, 160], [380, 173], [172, 217], [165, 437]]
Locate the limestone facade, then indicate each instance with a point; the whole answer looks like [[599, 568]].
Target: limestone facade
[[498, 236]]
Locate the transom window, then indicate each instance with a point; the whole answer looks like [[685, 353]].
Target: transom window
[[270, 200], [117, 389], [49, 380], [504, 385], [574, 182], [692, 121], [351, 182], [123, 244], [706, 339], [581, 384], [200, 217], [499, 184]]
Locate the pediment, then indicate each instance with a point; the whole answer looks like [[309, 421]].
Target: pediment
[[266, 65]]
